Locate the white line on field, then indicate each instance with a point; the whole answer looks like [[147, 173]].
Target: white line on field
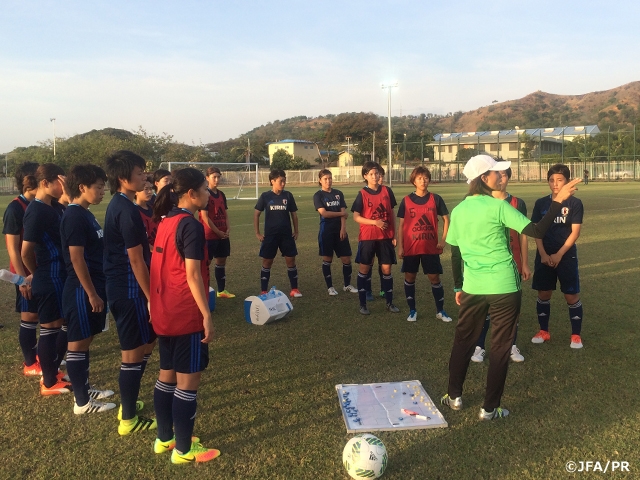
[[612, 262]]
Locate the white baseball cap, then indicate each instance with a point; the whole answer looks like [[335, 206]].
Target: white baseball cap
[[480, 164]]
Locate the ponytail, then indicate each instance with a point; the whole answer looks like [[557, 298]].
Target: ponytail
[[165, 201], [183, 180]]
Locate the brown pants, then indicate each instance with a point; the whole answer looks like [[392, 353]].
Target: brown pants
[[503, 310]]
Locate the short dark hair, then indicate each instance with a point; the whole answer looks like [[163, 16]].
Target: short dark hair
[[368, 166], [380, 169], [120, 165], [25, 176], [159, 175], [212, 170], [561, 169], [420, 170], [86, 175], [322, 173], [183, 180], [48, 172], [275, 174]]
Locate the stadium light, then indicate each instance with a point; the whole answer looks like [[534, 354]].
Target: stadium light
[[389, 86]]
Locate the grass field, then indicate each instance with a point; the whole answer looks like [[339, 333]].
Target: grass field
[[268, 400]]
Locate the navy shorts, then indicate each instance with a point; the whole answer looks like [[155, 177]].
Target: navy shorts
[[546, 277], [383, 249], [82, 323], [430, 264], [218, 248], [271, 244], [329, 242], [48, 295], [184, 353], [24, 305], [132, 322]]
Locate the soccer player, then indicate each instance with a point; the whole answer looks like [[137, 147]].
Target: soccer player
[[42, 255], [332, 236], [557, 257], [278, 205], [126, 267], [84, 293], [13, 230], [144, 201], [519, 247], [373, 210], [418, 242], [180, 312], [216, 229], [161, 177]]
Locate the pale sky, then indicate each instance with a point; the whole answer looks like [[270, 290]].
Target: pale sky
[[205, 71]]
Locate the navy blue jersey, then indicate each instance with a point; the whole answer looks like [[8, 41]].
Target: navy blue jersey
[[277, 209], [571, 212], [79, 228], [189, 235], [441, 208], [123, 229], [14, 216], [332, 201], [42, 227], [357, 203]]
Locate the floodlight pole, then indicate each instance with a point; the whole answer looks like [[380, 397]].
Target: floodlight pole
[[53, 120], [389, 87]]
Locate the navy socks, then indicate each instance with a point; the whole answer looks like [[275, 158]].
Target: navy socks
[[543, 308], [293, 277], [410, 293], [27, 337], [326, 273], [130, 376], [184, 416], [362, 288], [47, 355], [346, 273], [438, 296], [163, 405], [575, 315], [78, 371], [265, 274], [220, 277]]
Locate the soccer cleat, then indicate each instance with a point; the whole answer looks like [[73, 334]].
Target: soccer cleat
[[541, 337], [63, 377], [382, 295], [63, 363], [57, 389], [392, 308], [495, 413], [161, 447], [198, 454], [32, 370], [478, 355], [516, 356], [96, 394], [92, 406], [413, 316], [332, 291], [295, 293], [139, 406], [225, 294], [576, 341], [370, 297], [136, 424], [364, 310], [350, 288], [442, 315], [453, 403]]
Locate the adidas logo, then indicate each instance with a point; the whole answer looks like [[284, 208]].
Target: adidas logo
[[542, 314], [423, 224], [576, 318], [382, 213], [372, 456]]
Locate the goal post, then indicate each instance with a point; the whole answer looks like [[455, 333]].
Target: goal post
[[238, 180]]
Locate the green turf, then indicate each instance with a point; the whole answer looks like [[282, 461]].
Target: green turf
[[268, 401]]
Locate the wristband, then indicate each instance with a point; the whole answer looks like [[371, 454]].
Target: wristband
[[457, 290]]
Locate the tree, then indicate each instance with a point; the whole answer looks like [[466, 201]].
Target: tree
[[464, 154], [281, 160]]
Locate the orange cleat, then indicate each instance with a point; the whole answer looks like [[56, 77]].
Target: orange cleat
[[541, 337], [295, 293], [32, 370]]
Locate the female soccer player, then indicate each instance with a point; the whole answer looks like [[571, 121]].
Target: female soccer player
[[418, 241], [126, 267], [216, 229], [144, 201], [373, 210], [557, 257], [84, 293], [333, 236], [180, 312], [491, 279], [161, 177], [278, 204], [13, 230], [42, 255]]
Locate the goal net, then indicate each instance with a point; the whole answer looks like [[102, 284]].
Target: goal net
[[239, 180]]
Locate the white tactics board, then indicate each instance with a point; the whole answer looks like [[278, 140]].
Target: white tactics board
[[379, 407]]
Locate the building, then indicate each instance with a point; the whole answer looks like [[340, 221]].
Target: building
[[345, 159], [509, 144], [296, 148]]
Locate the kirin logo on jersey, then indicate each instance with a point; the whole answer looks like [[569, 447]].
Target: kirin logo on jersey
[[333, 203]]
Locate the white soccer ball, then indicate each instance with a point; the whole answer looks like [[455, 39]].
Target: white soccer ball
[[364, 456]]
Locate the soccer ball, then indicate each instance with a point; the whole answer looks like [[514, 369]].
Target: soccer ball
[[364, 456]]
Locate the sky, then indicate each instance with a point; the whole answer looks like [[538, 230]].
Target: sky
[[205, 71]]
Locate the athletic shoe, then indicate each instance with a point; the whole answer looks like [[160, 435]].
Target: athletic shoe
[[413, 316], [332, 291], [392, 308], [136, 424], [516, 356], [576, 341], [92, 406], [495, 413], [198, 454], [225, 294], [382, 294], [442, 315], [139, 406], [370, 297], [453, 403], [350, 288], [63, 377], [478, 355], [541, 337], [161, 447], [96, 394], [295, 293], [57, 389], [32, 370], [364, 310], [63, 363]]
